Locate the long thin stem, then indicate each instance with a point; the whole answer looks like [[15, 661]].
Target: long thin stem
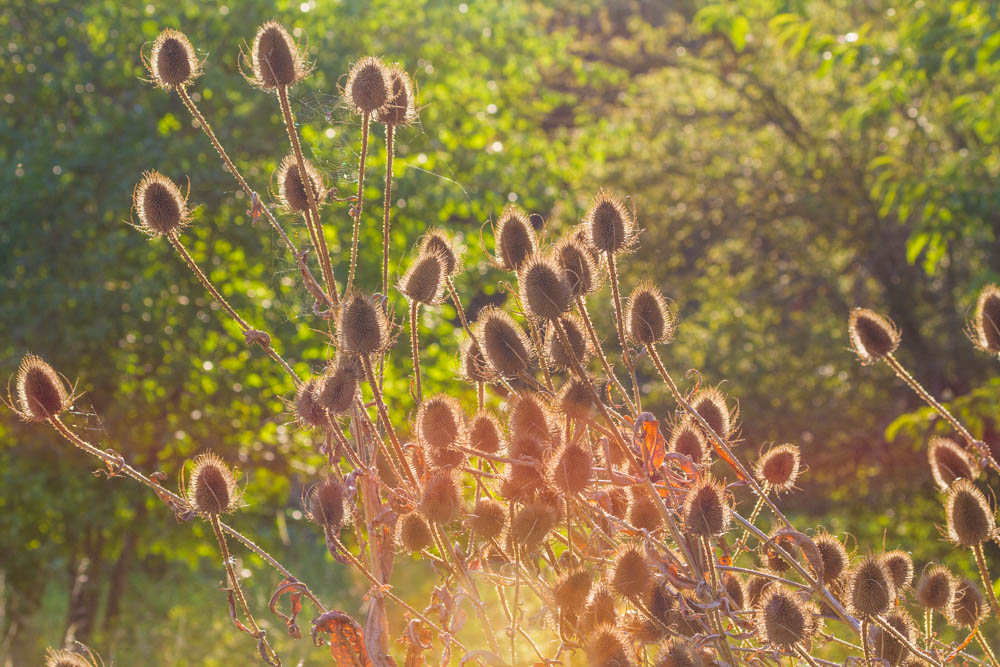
[[864, 641], [620, 326], [599, 351], [900, 637], [986, 648], [415, 348], [383, 414], [984, 573], [365, 122], [805, 655], [390, 133], [716, 618]]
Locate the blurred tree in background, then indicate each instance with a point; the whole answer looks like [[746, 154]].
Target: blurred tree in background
[[788, 160]]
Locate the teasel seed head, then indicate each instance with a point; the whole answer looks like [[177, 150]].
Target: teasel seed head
[[949, 462], [600, 609], [710, 403], [756, 588], [362, 325], [488, 519], [571, 591], [325, 504], [618, 500], [530, 416], [985, 327], [291, 188], [647, 315], [870, 588], [872, 335], [413, 532], [642, 511], [900, 566], [506, 345], [706, 510], [172, 62], [576, 398], [441, 498], [485, 434], [308, 411], [401, 109], [779, 467], [573, 329], [212, 489], [473, 365], [532, 523], [522, 482], [630, 573], [161, 207], [774, 560], [606, 647], [441, 422], [970, 517], [609, 224], [678, 652], [369, 86], [544, 291], [436, 241], [833, 555], [65, 658], [736, 589], [39, 391], [572, 469], [424, 281], [968, 605], [515, 239], [687, 438], [782, 619], [276, 58], [936, 589], [337, 388], [577, 264], [886, 646]]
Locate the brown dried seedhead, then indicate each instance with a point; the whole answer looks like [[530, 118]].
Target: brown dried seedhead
[[291, 189], [647, 316], [710, 404], [949, 462], [872, 335], [515, 239], [573, 332], [401, 109], [212, 489], [779, 467], [424, 281], [362, 325], [437, 241], [39, 392], [544, 290], [985, 327], [369, 86], [275, 58], [324, 504], [609, 225], [172, 62], [506, 345], [161, 207], [970, 518]]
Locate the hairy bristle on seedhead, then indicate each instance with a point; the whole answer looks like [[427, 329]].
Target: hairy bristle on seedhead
[[710, 403], [647, 316], [401, 109], [706, 511], [438, 242], [161, 207], [362, 325], [573, 331], [736, 589], [572, 469], [600, 607], [756, 588], [970, 518], [522, 482], [424, 281], [885, 646], [291, 188], [39, 391], [609, 224], [782, 619], [308, 411], [968, 605], [530, 416], [576, 398], [775, 561], [337, 388], [172, 62], [630, 573], [870, 588], [212, 489], [325, 505], [936, 589], [275, 57], [572, 589], [440, 421], [488, 518], [472, 363], [618, 500], [686, 438], [606, 647], [413, 532], [544, 291], [872, 335], [506, 345], [900, 566], [532, 523], [485, 434], [679, 652], [833, 555], [65, 658], [949, 462], [515, 238], [441, 498], [779, 467], [642, 510], [986, 322], [577, 266], [368, 86]]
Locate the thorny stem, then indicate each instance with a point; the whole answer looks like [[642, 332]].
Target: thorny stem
[[805, 655], [620, 326], [928, 626], [390, 132], [714, 613], [598, 349], [515, 613], [864, 641], [986, 648], [365, 122], [415, 348], [752, 519], [384, 416], [900, 637], [984, 573], [536, 338]]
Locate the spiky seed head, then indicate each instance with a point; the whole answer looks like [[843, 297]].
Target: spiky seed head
[[505, 343], [325, 505], [161, 207], [212, 489], [291, 188], [606, 647], [276, 58], [618, 501], [172, 62], [413, 532], [576, 398], [936, 589], [630, 573], [522, 482], [706, 511], [710, 403], [362, 325], [679, 652], [572, 589], [572, 328], [401, 108], [368, 86], [756, 588], [515, 239], [660, 602], [444, 457], [970, 518], [968, 605], [473, 365], [779, 467], [609, 224], [544, 291], [886, 647], [600, 608], [485, 434], [436, 241], [441, 498], [782, 619], [872, 335], [648, 316], [736, 590], [900, 566], [338, 387], [440, 421], [308, 411], [833, 555], [572, 469], [65, 658], [488, 519], [642, 511], [577, 265], [533, 523], [686, 438], [424, 281], [775, 561], [949, 462], [870, 588], [985, 327], [39, 391]]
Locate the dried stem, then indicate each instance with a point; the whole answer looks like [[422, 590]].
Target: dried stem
[[390, 132], [620, 326], [383, 413], [984, 573], [415, 348], [365, 122], [599, 351]]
